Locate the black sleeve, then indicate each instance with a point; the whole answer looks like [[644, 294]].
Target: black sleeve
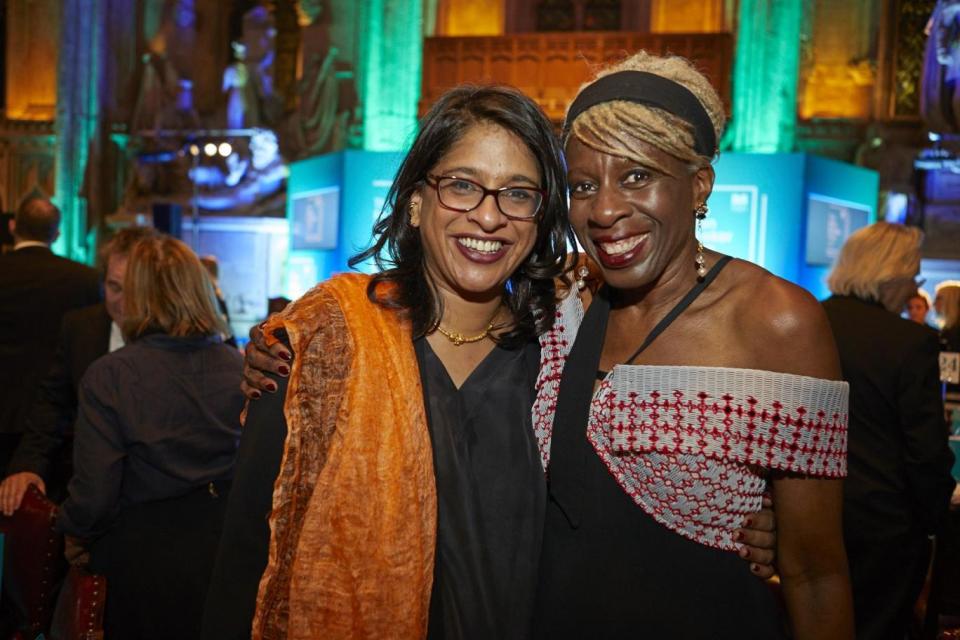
[[49, 417], [926, 452], [99, 453], [242, 555]]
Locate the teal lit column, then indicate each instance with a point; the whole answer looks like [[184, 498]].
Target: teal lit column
[[391, 45], [79, 74], [765, 76]]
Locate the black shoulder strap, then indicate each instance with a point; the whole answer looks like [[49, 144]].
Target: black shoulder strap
[[680, 307], [569, 449]]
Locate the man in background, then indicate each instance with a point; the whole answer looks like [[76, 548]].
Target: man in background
[[36, 289], [44, 455]]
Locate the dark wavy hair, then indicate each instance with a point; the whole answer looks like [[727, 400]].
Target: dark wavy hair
[[397, 251]]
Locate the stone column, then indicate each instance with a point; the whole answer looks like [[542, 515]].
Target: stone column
[[79, 76], [390, 42], [765, 75]]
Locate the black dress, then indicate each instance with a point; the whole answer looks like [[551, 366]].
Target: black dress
[[621, 574], [490, 494], [608, 569]]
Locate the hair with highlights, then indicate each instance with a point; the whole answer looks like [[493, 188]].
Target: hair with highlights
[[167, 290], [617, 127], [122, 242], [873, 256], [948, 293]]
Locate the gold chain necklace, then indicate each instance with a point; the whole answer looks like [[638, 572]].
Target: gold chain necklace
[[458, 338]]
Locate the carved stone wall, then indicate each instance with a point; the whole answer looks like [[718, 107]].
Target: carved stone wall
[[469, 17], [32, 33], [838, 60], [688, 16], [26, 161], [901, 58], [550, 67]]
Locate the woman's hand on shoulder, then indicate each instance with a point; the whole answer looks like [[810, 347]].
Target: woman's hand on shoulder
[[789, 330], [260, 359]]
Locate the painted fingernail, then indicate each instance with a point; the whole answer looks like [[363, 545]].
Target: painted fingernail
[[271, 387], [738, 536], [284, 356], [748, 522], [754, 567], [256, 395], [745, 553], [283, 370]]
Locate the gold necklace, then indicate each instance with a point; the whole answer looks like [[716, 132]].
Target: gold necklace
[[458, 338]]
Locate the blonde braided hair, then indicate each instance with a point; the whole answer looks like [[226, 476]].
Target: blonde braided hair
[[617, 127]]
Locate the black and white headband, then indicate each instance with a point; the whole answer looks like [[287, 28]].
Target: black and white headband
[[651, 90]]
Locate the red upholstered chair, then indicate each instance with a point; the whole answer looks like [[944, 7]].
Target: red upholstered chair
[[79, 612], [33, 571], [33, 561]]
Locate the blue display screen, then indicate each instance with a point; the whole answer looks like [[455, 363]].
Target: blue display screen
[[830, 222]]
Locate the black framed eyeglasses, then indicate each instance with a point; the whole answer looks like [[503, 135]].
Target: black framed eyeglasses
[[463, 195]]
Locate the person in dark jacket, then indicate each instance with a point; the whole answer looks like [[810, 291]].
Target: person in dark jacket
[[43, 457], [899, 484], [36, 289], [155, 447]]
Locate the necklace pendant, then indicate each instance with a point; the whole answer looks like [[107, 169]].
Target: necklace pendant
[[457, 339]]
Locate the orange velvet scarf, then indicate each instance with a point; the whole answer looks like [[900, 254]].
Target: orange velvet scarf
[[353, 526]]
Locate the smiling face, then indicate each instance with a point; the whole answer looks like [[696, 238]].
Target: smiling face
[[472, 254], [635, 221]]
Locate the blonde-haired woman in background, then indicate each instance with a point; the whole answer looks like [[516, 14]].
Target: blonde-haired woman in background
[[899, 484], [946, 302], [155, 444], [657, 447]]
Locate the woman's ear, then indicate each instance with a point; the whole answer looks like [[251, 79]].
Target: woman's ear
[[413, 209], [703, 184]]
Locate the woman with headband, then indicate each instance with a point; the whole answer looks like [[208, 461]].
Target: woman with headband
[[337, 566], [679, 392]]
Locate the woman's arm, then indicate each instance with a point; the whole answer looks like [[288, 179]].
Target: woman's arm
[[811, 557], [794, 337], [98, 455], [244, 543]]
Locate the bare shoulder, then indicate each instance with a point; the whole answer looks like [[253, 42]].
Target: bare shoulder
[[785, 326]]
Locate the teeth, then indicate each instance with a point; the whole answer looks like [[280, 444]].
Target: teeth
[[621, 246], [484, 246]]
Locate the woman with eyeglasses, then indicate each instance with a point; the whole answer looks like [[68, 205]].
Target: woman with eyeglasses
[[898, 486], [410, 496]]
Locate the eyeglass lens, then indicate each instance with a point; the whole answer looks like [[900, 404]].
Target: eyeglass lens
[[466, 195]]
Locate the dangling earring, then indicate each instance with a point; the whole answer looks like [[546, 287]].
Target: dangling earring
[[582, 273], [700, 212], [414, 214]]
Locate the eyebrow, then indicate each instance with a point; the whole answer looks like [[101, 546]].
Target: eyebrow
[[473, 173]]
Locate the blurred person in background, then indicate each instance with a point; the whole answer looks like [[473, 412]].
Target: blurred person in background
[[899, 484], [918, 306], [36, 289], [44, 456], [155, 446], [947, 305], [212, 266]]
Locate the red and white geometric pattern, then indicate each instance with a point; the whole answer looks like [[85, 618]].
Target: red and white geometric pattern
[[692, 445]]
